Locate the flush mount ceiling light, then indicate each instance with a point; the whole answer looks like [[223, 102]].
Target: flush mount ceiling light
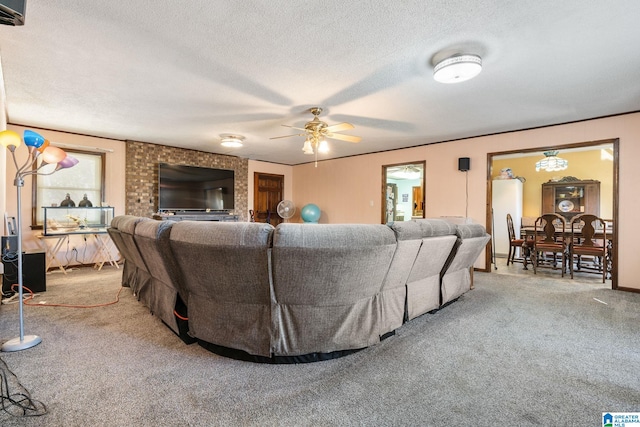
[[457, 68], [231, 141], [551, 162]]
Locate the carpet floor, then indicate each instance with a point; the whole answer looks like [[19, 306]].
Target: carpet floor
[[516, 350]]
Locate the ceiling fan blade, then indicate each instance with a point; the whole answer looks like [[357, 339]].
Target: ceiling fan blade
[[287, 136], [349, 138], [373, 122], [339, 127], [293, 127]]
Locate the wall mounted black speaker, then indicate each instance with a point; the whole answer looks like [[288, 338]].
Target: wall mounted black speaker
[[464, 164]]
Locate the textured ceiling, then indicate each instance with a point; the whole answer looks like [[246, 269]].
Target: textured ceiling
[[181, 73]]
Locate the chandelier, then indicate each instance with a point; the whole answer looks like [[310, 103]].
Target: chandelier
[[551, 162]]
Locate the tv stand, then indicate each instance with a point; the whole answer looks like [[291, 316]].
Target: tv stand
[[196, 216]]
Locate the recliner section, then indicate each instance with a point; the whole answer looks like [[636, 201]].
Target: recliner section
[[168, 297], [456, 275], [225, 266], [296, 292], [326, 286]]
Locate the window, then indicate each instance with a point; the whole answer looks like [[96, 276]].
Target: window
[[85, 178]]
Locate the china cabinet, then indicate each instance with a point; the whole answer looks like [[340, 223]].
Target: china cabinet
[[570, 198]]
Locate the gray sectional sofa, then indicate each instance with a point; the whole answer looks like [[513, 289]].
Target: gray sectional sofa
[[295, 292]]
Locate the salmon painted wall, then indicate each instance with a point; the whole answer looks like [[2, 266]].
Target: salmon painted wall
[[349, 190]]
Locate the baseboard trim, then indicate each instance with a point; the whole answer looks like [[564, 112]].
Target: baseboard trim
[[634, 290]]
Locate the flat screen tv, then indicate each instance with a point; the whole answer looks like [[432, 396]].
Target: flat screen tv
[[193, 188]]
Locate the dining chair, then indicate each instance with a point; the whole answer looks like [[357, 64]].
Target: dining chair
[[549, 230], [584, 243], [514, 243]]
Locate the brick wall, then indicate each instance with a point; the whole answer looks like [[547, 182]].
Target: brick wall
[[142, 175]]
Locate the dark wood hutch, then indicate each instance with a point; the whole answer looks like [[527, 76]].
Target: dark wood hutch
[[571, 197]]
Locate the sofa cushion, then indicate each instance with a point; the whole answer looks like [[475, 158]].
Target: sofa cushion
[[140, 279], [438, 238], [432, 227], [456, 279], [467, 231], [225, 266], [152, 239], [326, 281]]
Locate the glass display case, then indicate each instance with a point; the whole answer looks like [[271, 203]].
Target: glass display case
[[76, 220]]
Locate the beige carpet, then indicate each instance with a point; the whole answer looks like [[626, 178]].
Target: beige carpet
[[517, 350]]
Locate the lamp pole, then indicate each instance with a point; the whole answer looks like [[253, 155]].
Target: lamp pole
[[22, 342], [50, 155]]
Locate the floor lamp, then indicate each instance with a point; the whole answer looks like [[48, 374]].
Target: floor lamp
[[38, 148]]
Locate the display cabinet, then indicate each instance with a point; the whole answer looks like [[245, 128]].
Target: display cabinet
[[571, 198], [76, 220]]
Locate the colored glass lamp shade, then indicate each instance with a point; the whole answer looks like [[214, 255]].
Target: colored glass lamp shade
[[33, 139], [67, 162], [44, 146], [10, 139], [53, 155]]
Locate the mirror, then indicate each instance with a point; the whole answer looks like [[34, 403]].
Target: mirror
[[403, 191]]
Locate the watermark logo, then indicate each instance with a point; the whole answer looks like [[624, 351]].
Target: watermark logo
[[621, 419]]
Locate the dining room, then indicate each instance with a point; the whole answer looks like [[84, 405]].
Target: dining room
[[562, 184]]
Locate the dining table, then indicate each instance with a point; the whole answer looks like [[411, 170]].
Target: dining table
[[528, 233]]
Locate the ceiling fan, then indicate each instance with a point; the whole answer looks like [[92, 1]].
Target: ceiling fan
[[316, 131]]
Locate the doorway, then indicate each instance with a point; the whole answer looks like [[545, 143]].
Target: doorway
[[593, 160], [403, 191], [267, 193]]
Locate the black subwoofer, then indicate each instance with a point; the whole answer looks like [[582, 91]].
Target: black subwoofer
[[33, 274]]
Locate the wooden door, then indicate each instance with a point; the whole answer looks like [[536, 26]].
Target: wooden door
[[418, 203], [268, 191]]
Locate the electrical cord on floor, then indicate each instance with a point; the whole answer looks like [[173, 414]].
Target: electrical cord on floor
[[9, 275], [27, 300], [20, 403]]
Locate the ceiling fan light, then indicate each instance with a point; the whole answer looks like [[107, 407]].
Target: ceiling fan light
[[307, 148], [457, 68], [323, 147]]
